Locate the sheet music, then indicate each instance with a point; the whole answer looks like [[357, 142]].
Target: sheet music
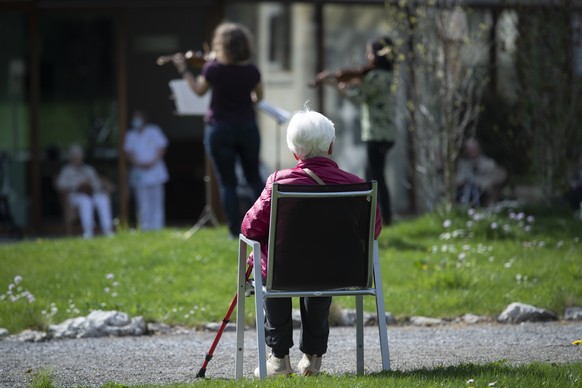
[[279, 114], [187, 102]]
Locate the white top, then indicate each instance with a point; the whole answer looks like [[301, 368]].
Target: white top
[[144, 146]]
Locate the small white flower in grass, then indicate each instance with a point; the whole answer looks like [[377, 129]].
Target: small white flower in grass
[[527, 228], [17, 279], [469, 224], [445, 236], [512, 215], [478, 217], [462, 256], [115, 284], [447, 223], [530, 219], [471, 212], [107, 289], [492, 384], [113, 294], [494, 225], [109, 276], [520, 216]]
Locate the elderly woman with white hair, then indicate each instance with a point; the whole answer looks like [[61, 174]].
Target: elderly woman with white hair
[[310, 137], [86, 192]]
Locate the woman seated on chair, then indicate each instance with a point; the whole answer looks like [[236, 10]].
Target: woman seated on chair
[[310, 137], [85, 192]]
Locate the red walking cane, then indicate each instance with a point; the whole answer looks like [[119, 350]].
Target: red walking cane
[[202, 372]]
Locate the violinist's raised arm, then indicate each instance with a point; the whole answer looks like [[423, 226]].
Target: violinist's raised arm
[[342, 75]]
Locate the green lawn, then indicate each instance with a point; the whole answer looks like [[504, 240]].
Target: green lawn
[[433, 266], [498, 375]]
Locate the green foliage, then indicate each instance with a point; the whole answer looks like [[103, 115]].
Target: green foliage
[[42, 379], [441, 56], [550, 94]]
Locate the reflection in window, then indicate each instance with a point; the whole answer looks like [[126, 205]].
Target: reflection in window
[[280, 38]]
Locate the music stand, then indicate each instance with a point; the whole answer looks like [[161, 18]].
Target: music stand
[[190, 104], [280, 116]]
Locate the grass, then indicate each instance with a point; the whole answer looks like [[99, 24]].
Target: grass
[[497, 375], [432, 266]]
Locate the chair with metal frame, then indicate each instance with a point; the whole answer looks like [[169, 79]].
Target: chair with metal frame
[[321, 243]]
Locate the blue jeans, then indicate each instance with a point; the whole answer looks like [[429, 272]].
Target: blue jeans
[[225, 143]]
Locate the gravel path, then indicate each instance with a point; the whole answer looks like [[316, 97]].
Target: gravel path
[[176, 358]]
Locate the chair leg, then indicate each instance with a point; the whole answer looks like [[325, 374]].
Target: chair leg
[[360, 334], [260, 317], [380, 313], [240, 312]]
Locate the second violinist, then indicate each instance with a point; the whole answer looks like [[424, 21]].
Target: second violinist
[[372, 91]]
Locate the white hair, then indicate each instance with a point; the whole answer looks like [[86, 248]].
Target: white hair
[[309, 134]]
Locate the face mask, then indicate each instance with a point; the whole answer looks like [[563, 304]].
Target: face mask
[[137, 122]]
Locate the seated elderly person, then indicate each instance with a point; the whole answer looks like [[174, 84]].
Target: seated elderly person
[[86, 192], [479, 178], [310, 137]]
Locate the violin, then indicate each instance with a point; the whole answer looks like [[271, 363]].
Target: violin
[[194, 59], [342, 75]]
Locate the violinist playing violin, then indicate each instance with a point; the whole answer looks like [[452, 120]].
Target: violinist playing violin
[[231, 127], [371, 88]]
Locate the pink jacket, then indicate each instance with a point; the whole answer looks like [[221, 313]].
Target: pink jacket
[[255, 224]]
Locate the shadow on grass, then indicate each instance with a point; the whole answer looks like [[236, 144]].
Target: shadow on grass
[[401, 244]]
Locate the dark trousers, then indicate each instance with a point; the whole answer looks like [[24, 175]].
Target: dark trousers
[[314, 325], [224, 144], [377, 151]]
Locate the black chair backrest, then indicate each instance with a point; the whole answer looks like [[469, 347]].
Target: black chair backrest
[[322, 242]]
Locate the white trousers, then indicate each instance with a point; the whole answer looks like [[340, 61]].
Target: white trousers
[[150, 205], [86, 205]]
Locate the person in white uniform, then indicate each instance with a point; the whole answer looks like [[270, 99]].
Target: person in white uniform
[[145, 146], [86, 192]]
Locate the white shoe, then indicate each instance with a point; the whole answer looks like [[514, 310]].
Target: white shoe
[[276, 366], [309, 365]]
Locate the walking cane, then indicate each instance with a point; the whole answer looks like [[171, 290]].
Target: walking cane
[[202, 372]]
